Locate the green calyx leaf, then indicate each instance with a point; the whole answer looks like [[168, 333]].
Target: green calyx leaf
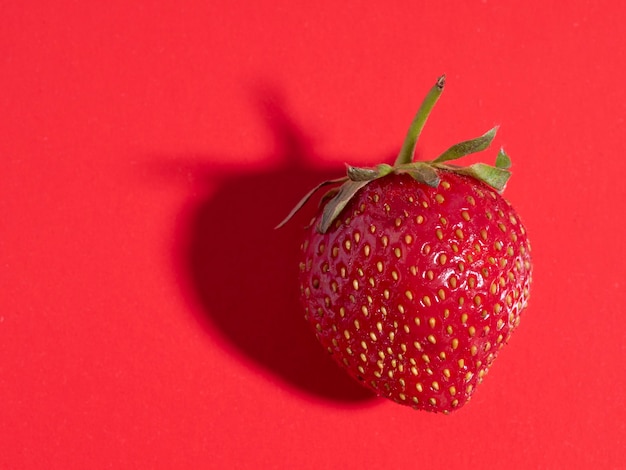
[[502, 160], [306, 198], [337, 198], [337, 203], [421, 172], [368, 174], [491, 175], [468, 147]]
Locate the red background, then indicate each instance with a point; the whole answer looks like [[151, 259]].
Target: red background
[[148, 313]]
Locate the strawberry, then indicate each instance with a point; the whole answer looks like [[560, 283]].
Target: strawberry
[[414, 276]]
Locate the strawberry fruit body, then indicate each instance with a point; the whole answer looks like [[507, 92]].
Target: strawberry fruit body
[[414, 276]]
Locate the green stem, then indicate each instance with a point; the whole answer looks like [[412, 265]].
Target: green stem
[[408, 147]]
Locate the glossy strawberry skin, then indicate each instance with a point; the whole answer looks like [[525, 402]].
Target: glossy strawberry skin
[[415, 289]]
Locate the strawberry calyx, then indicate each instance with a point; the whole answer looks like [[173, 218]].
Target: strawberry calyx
[[426, 172]]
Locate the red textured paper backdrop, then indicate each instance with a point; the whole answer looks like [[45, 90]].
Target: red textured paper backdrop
[[148, 311]]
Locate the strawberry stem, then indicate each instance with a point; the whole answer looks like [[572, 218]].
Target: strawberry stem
[[408, 147]]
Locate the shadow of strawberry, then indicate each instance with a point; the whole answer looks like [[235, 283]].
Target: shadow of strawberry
[[244, 273]]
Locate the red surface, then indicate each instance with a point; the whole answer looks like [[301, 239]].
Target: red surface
[[147, 308]]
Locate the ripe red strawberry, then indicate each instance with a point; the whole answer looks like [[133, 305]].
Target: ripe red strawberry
[[415, 275]]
